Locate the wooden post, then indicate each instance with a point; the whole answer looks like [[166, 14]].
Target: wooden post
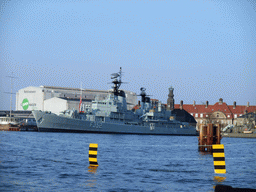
[[203, 138], [209, 135]]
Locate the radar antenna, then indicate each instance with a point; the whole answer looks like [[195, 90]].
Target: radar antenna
[[143, 96], [116, 81]]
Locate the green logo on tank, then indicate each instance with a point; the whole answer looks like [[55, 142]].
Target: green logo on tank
[[25, 104]]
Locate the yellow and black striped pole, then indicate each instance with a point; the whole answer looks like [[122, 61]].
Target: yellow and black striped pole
[[93, 151], [219, 158]]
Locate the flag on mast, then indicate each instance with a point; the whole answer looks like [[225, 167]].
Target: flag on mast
[[80, 105]]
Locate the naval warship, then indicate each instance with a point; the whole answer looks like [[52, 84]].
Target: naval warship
[[111, 116]]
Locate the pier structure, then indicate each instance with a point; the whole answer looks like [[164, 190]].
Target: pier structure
[[209, 134]]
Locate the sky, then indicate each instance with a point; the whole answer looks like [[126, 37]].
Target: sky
[[205, 49]]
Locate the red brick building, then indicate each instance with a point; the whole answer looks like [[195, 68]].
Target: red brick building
[[220, 112]]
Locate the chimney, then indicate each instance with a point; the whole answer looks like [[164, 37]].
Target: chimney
[[207, 103], [220, 101], [159, 107], [194, 103], [248, 104], [181, 104], [234, 105]]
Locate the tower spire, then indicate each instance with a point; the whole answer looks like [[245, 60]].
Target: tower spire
[[170, 100]]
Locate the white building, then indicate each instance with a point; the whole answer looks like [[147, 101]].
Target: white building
[[58, 104], [55, 99]]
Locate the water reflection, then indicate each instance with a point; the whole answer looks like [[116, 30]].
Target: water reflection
[[219, 179], [92, 182], [92, 169], [205, 153]]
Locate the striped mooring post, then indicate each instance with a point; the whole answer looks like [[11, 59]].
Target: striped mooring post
[[93, 151], [219, 158]]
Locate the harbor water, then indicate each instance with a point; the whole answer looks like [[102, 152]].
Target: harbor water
[[36, 161]]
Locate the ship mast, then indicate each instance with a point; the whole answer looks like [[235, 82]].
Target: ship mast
[[11, 93], [81, 96]]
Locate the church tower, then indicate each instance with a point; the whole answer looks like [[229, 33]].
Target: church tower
[[170, 100]]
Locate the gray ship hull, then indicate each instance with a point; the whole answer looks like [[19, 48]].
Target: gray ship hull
[[51, 122]]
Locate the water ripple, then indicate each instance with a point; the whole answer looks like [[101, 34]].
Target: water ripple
[[31, 161]]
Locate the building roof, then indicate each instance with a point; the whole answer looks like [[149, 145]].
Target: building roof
[[79, 89], [136, 107], [229, 110], [72, 89]]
